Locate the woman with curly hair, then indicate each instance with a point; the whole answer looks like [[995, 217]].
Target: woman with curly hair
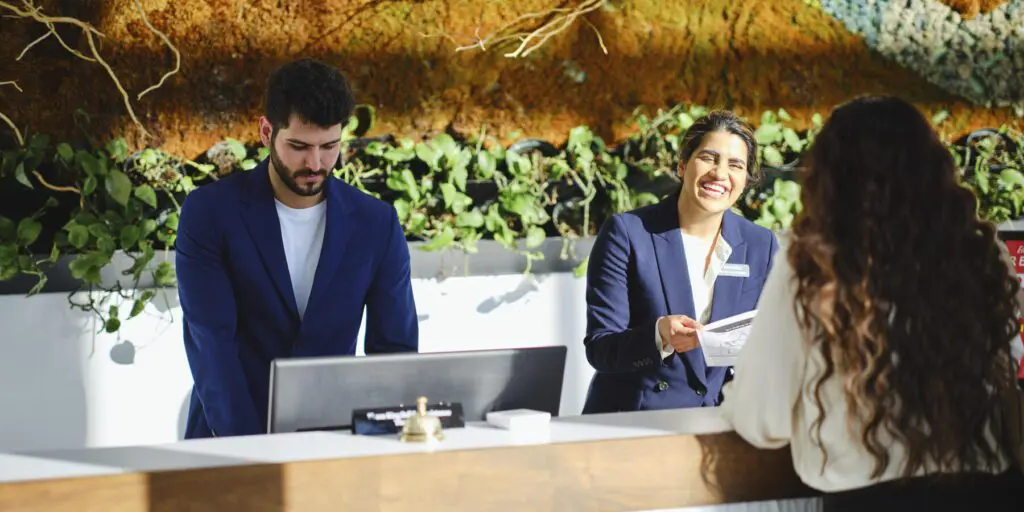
[[883, 347]]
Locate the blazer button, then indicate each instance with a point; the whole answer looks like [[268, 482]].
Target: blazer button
[[700, 391], [662, 385]]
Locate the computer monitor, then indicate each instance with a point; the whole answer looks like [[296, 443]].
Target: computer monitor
[[320, 393]]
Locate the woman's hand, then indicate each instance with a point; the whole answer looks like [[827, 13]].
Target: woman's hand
[[679, 332]]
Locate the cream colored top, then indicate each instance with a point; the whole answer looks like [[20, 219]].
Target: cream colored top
[[769, 403], [702, 284]]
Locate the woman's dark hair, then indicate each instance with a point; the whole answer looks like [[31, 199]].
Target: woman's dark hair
[[722, 121], [314, 91], [904, 289]]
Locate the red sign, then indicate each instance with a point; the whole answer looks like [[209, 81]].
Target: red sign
[[1016, 248]]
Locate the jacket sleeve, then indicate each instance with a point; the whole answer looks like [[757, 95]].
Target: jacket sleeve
[[210, 318], [391, 321], [611, 344]]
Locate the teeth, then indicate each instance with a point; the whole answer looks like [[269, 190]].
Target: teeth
[[714, 188]]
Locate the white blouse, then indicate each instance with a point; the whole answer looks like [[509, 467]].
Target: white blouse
[[770, 402]]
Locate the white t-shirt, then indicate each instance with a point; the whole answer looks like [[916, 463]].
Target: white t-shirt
[[302, 232]]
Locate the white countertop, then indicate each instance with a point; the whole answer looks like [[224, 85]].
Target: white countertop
[[279, 448]]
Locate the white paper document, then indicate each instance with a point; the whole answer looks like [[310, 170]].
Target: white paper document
[[721, 341]]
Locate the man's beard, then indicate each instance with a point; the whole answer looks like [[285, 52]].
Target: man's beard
[[288, 177]]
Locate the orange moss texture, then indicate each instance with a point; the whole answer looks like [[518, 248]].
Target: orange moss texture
[[401, 57], [971, 8]]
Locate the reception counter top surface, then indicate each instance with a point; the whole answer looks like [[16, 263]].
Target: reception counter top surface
[[308, 446]]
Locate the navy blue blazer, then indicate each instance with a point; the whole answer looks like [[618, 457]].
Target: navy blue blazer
[[637, 273], [238, 304]]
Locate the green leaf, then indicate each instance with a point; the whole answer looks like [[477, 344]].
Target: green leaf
[[129, 237], [118, 149], [428, 155], [8, 230], [411, 187], [581, 269], [8, 254], [784, 116], [172, 221], [88, 163], [112, 325], [78, 235], [140, 304], [396, 155], [402, 209], [248, 165], [787, 189], [535, 237], [99, 229], [792, 139], [470, 219], [939, 117], [119, 186], [164, 274], [767, 134], [441, 241], [89, 186], [28, 231], [65, 152], [1012, 177], [486, 165], [780, 207], [448, 193], [146, 194], [461, 203], [147, 228], [237, 148], [39, 141], [106, 245], [459, 174], [19, 174], [772, 156]]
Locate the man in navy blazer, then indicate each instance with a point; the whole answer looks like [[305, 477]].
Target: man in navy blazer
[[657, 273], [280, 261]]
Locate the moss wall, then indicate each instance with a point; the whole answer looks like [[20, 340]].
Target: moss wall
[[747, 55]]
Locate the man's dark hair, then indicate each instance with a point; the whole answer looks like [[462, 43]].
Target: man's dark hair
[[314, 91]]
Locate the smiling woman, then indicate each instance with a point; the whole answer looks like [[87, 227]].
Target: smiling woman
[[657, 273]]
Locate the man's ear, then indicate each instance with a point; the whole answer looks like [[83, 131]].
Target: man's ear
[[266, 131]]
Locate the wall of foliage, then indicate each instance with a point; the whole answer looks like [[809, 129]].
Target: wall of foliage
[[505, 121]]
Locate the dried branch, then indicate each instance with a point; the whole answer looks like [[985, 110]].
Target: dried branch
[[177, 55], [55, 188], [35, 13], [560, 19], [7, 120]]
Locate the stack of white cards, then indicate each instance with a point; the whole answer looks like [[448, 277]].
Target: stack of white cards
[[721, 341]]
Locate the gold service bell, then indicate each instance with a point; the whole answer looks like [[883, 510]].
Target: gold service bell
[[420, 427]]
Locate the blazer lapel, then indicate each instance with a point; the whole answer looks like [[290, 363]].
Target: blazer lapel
[[727, 289], [675, 278], [337, 233], [260, 219]]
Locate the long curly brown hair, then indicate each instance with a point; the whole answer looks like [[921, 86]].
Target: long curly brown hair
[[904, 289]]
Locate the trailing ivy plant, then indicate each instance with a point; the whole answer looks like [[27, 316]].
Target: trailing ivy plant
[[449, 192]]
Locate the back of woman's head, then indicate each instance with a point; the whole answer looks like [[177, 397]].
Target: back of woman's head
[[903, 288]]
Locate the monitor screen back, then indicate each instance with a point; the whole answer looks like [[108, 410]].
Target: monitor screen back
[[320, 393]]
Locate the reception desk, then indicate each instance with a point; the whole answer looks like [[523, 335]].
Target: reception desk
[[626, 461]]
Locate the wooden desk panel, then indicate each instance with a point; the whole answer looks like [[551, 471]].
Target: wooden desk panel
[[611, 475]]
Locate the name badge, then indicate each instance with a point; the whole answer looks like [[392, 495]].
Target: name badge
[[735, 270]]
